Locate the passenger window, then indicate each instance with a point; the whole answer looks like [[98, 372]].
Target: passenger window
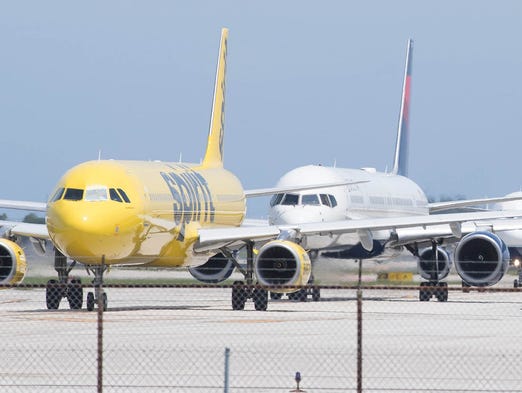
[[310, 199], [96, 193], [73, 194], [290, 199], [333, 201], [324, 200], [113, 194], [276, 199], [58, 194], [123, 195]]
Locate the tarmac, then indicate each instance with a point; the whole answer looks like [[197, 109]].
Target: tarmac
[[189, 339]]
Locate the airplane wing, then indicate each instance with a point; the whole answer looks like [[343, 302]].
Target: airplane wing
[[442, 206], [25, 229], [23, 205], [417, 225], [276, 190]]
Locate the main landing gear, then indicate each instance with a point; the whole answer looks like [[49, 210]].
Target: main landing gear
[[71, 288], [434, 287], [242, 291], [302, 294], [517, 283], [64, 287], [430, 289]]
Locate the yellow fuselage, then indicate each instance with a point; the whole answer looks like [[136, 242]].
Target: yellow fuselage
[[135, 212]]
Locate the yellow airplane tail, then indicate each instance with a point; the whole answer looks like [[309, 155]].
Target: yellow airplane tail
[[214, 153]]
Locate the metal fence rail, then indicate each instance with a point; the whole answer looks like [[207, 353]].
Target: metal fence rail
[[176, 338]]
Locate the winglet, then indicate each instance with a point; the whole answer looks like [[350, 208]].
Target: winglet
[[400, 164], [214, 153]]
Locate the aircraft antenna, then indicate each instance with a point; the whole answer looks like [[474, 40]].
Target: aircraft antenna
[[180, 156], [99, 154]]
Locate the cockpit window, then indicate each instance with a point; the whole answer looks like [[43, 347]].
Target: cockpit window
[[276, 199], [124, 195], [333, 201], [290, 199], [325, 200], [58, 194], [113, 194], [328, 200], [96, 193], [73, 194], [310, 199]]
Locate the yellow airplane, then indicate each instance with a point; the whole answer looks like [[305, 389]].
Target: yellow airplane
[[110, 212], [145, 213]]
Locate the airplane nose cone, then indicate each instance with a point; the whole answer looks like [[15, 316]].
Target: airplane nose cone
[[86, 231], [283, 215]]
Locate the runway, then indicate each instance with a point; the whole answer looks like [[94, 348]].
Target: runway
[[174, 339]]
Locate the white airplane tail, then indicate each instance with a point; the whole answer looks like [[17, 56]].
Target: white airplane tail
[[400, 164]]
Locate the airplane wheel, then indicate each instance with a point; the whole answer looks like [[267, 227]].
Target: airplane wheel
[[424, 294], [301, 295], [316, 294], [90, 301], [515, 283], [239, 296], [442, 292], [75, 294], [466, 288], [275, 295], [53, 295], [260, 296]]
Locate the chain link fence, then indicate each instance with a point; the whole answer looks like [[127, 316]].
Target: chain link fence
[[187, 339]]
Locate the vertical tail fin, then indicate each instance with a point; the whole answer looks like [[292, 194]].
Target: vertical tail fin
[[214, 153], [400, 164]]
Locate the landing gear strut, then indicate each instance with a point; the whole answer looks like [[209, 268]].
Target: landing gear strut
[[434, 287], [518, 283], [241, 291], [99, 294]]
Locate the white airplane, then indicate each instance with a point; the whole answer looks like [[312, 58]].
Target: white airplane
[[481, 257], [155, 214]]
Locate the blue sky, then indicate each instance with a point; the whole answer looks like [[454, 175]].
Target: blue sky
[[308, 83]]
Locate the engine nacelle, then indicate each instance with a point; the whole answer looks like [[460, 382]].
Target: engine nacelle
[[429, 269], [217, 269], [282, 262], [12, 263], [481, 259]]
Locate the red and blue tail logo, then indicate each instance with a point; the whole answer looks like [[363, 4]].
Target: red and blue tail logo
[[400, 165]]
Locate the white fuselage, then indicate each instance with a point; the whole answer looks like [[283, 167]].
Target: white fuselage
[[378, 195]]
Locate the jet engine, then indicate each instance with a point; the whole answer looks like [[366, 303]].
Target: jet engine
[[217, 269], [481, 259], [12, 263], [282, 263], [427, 264]]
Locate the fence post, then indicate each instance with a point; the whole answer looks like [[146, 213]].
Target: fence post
[[359, 331], [227, 369], [99, 290]]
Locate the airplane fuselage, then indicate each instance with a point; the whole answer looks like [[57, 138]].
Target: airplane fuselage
[[379, 195], [136, 212]]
